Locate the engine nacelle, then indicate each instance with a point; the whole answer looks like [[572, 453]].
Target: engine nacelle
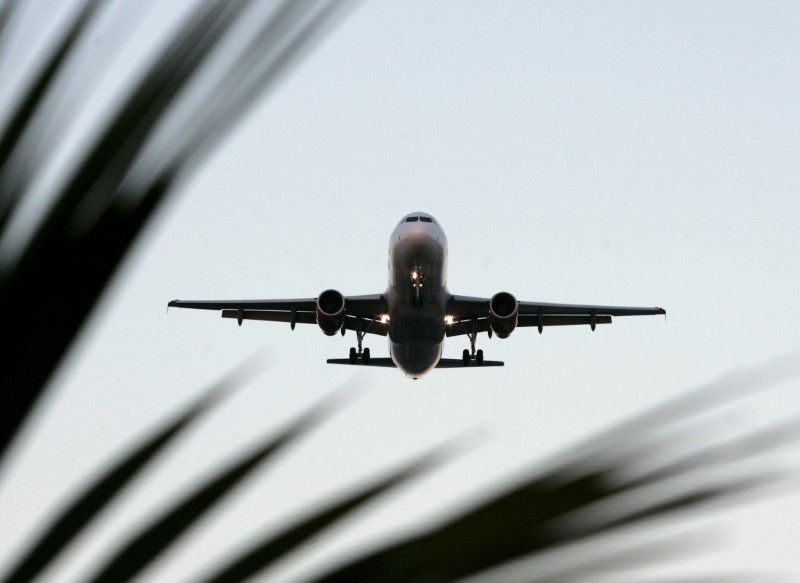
[[330, 311], [503, 314]]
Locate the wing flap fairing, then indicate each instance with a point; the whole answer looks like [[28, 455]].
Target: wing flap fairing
[[463, 327], [271, 316], [529, 321], [368, 325]]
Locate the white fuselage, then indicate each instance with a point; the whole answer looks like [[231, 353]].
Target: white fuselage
[[417, 295]]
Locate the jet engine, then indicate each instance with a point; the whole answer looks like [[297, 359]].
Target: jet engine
[[503, 314], [330, 311]]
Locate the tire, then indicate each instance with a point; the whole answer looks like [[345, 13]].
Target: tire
[[479, 357], [465, 357], [353, 356], [365, 356]]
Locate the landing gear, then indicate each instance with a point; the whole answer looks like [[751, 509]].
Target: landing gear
[[417, 278], [363, 354], [471, 354]]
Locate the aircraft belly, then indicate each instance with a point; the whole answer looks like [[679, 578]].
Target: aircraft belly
[[415, 360], [414, 329]]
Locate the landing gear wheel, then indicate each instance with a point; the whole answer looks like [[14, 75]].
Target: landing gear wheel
[[465, 357], [365, 356], [353, 355], [479, 357]]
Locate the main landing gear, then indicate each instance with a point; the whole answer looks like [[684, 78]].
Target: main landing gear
[[472, 354], [362, 354], [355, 355]]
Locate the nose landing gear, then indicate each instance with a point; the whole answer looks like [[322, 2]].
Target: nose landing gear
[[417, 279]]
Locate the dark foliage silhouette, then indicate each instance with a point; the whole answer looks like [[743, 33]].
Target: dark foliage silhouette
[[176, 111]]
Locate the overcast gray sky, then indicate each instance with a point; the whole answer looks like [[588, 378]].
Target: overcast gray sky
[[622, 153]]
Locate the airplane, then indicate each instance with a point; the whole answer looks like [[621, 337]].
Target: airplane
[[416, 312]]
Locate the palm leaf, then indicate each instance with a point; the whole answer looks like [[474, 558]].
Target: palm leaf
[[14, 178], [59, 254], [586, 492], [7, 10], [575, 564], [155, 538], [78, 514], [264, 553], [112, 193]]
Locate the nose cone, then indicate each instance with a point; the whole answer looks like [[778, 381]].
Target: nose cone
[[416, 360], [416, 237]]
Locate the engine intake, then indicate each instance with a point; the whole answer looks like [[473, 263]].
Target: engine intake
[[503, 314], [330, 311]]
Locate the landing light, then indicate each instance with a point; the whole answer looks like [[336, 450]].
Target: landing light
[[414, 275], [449, 320], [384, 318]]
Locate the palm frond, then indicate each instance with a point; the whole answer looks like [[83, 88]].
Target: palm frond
[[7, 13], [14, 178], [121, 180], [155, 538], [588, 491], [79, 513], [262, 554]]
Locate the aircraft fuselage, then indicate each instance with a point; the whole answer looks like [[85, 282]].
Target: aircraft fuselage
[[417, 295]]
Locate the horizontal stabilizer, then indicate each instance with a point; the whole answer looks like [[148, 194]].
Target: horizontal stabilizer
[[383, 362], [443, 363], [458, 363]]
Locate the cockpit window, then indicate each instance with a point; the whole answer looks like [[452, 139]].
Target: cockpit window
[[426, 219], [411, 219]]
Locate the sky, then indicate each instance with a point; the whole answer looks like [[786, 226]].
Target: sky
[[615, 153]]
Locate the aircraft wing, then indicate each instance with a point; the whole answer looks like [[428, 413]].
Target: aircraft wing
[[471, 314], [529, 308], [366, 308]]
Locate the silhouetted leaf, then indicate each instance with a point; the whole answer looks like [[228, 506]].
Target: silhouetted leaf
[[109, 197], [92, 500], [581, 497], [12, 180], [7, 13], [727, 578], [575, 563], [165, 529], [262, 554]]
